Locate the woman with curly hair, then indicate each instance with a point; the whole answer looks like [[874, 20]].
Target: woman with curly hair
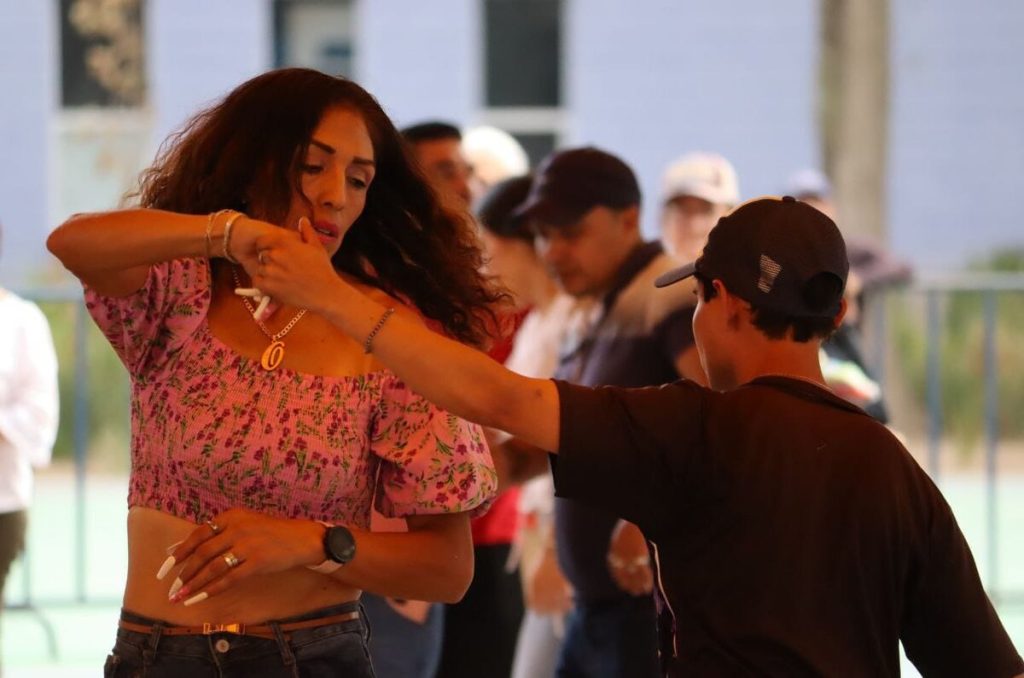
[[261, 434]]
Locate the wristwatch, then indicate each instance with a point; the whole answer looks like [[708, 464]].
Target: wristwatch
[[339, 548]]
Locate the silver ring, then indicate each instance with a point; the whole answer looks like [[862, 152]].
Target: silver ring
[[231, 559], [260, 257], [213, 526]]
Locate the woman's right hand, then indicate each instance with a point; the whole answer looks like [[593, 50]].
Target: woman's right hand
[[238, 544]]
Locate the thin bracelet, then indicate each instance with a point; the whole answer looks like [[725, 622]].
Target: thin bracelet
[[368, 345], [209, 231], [227, 235], [209, 235]]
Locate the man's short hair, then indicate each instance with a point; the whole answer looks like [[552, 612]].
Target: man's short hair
[[776, 325], [432, 130]]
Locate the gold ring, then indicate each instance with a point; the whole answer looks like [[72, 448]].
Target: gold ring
[[231, 559], [213, 526]]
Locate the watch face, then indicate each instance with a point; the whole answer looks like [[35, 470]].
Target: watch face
[[339, 544]]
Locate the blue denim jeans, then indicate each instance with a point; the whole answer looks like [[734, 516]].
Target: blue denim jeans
[[400, 647], [611, 639], [335, 650]]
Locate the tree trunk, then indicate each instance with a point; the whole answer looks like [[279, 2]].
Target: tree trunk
[[854, 110]]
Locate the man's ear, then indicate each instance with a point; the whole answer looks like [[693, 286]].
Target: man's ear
[[735, 308], [631, 218], [842, 312]]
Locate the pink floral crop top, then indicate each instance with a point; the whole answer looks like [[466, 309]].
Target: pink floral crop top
[[212, 430]]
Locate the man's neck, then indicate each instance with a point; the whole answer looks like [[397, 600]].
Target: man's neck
[[614, 280], [782, 358], [542, 292]]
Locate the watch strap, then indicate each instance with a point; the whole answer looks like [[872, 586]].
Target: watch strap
[[328, 566]]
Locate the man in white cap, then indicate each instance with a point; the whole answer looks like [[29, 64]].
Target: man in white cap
[[495, 155], [697, 189]]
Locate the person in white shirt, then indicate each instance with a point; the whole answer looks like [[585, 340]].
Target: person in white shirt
[[512, 258], [28, 415]]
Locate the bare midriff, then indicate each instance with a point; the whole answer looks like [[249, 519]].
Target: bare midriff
[[256, 599]]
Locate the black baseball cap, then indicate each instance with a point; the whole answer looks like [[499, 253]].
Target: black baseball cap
[[767, 250], [570, 183]]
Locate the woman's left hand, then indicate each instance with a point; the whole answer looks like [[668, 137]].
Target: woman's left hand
[[629, 561], [238, 544], [293, 267]]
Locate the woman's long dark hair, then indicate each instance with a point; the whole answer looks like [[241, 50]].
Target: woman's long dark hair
[[405, 241]]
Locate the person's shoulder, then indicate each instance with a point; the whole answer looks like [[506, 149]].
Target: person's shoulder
[[658, 303], [402, 307], [20, 308], [682, 392], [664, 301]]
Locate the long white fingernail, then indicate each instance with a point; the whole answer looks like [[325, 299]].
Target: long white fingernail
[[197, 598], [248, 292], [175, 587], [170, 549], [166, 567]]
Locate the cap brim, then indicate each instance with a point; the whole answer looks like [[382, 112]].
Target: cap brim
[[548, 211], [711, 194], [675, 275]]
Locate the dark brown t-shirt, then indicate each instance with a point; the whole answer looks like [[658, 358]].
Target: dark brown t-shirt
[[633, 340], [795, 535]]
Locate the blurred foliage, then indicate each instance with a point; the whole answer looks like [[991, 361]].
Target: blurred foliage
[[106, 390], [962, 355]]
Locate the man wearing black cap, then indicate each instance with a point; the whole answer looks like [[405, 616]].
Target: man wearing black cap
[[794, 534], [585, 209]]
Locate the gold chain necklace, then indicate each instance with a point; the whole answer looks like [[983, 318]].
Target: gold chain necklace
[[273, 356]]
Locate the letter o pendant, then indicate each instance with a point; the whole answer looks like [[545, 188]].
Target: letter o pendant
[[273, 356]]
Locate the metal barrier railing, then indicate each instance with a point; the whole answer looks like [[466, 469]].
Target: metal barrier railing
[[935, 289], [80, 422], [79, 450]]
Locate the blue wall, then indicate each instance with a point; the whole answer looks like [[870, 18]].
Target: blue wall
[[421, 60], [28, 97], [956, 171], [648, 79], [653, 80]]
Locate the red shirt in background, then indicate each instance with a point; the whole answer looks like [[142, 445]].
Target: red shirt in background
[[498, 525]]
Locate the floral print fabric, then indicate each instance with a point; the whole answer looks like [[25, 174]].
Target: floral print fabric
[[212, 430]]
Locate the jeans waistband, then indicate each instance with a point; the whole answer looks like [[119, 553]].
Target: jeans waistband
[[323, 613], [271, 629], [147, 639]]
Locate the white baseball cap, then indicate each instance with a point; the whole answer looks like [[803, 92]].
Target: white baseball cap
[[808, 183], [708, 176], [494, 153]]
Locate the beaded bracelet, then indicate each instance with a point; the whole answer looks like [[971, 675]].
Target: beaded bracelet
[[227, 236], [368, 345]]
